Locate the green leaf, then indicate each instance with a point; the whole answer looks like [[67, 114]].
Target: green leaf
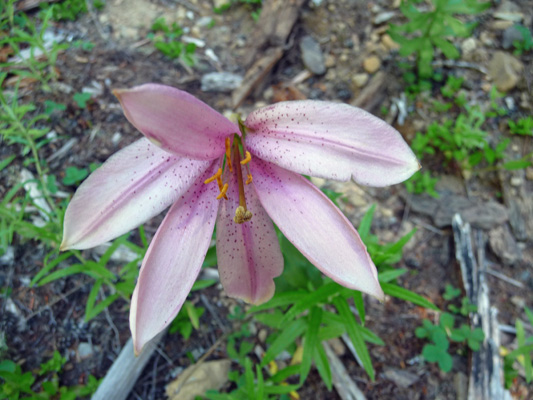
[[360, 305], [390, 275], [322, 365], [521, 339], [74, 175], [448, 49], [311, 299], [314, 321], [366, 223], [354, 332], [286, 337], [516, 164], [407, 295], [6, 161], [81, 99]]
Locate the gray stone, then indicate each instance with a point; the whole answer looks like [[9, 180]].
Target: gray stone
[[312, 56], [503, 244], [400, 377], [221, 82], [505, 71], [384, 17], [85, 351], [510, 35]]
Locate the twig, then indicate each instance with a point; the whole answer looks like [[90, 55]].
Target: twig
[[459, 64], [209, 307], [346, 387], [504, 278], [50, 304]]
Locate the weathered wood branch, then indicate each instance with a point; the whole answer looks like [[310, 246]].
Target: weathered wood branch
[[485, 381]]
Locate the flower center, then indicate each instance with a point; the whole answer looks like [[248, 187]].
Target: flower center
[[241, 158]]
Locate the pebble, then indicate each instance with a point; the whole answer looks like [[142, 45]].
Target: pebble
[[400, 377], [529, 173], [330, 61], [8, 258], [312, 56], [360, 80], [468, 45], [505, 71], [371, 64], [510, 35], [501, 25], [220, 82], [389, 43], [509, 11], [220, 3], [384, 17], [516, 181], [85, 351]]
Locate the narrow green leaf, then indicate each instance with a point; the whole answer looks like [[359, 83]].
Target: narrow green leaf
[[322, 365], [407, 295], [6, 161], [360, 305], [285, 373], [279, 300], [314, 321], [48, 266], [260, 385], [390, 275], [280, 389], [249, 377], [287, 336], [366, 223], [521, 338], [354, 332], [311, 299]]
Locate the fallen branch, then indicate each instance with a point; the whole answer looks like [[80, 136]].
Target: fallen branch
[[485, 381]]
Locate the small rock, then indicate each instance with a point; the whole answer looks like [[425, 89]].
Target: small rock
[[221, 82], [468, 45], [117, 136], [312, 56], [487, 38], [400, 377], [330, 61], [262, 335], [220, 3], [8, 258], [360, 80], [460, 382], [85, 351], [384, 17], [516, 181], [501, 25], [371, 64], [510, 35], [503, 244], [509, 11], [505, 71], [529, 173], [389, 43], [204, 21]]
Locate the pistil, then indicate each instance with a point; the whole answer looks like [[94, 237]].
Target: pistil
[[241, 213]]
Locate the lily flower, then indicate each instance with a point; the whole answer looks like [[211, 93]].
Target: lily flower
[[243, 177]]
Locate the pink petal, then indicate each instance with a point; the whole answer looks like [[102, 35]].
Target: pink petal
[[248, 254], [176, 121], [316, 227], [330, 140], [173, 261], [132, 186]]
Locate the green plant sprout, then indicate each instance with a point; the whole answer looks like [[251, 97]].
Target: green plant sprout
[[166, 39], [42, 385], [255, 7], [427, 30], [524, 45], [524, 126], [522, 354]]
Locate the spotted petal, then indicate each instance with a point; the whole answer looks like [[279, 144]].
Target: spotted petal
[[316, 227], [176, 121], [132, 186], [330, 140], [248, 254], [173, 262]]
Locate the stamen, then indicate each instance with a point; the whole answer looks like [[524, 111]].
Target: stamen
[[228, 154], [223, 192], [217, 176], [247, 159], [249, 179]]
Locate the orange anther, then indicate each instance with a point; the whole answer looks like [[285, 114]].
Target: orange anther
[[217, 176], [249, 179], [228, 154], [247, 159], [223, 192]]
